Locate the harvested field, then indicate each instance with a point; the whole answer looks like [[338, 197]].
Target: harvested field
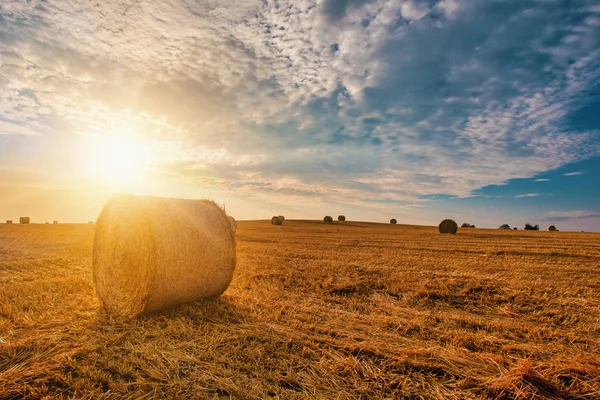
[[352, 310]]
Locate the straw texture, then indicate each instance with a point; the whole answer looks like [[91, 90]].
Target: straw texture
[[151, 253]]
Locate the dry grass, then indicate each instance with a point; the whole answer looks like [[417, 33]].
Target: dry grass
[[348, 310]]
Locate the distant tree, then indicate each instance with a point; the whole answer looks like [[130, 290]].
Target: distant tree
[[504, 226], [472, 226], [465, 225], [529, 227]]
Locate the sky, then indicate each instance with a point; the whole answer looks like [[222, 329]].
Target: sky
[[487, 112]]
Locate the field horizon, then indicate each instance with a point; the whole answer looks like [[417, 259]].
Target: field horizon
[[344, 310]]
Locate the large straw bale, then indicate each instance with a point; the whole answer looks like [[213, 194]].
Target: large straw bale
[[328, 219], [24, 220], [9, 221], [393, 221], [276, 220], [448, 226], [151, 253], [552, 228], [341, 217], [281, 217]]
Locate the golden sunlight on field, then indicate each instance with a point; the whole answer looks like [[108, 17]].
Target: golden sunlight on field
[[342, 310]]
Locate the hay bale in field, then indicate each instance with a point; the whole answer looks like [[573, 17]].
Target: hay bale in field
[[393, 221], [281, 217], [328, 219], [515, 228], [341, 217], [151, 253], [276, 220], [9, 221], [552, 228], [504, 226], [448, 226], [232, 222], [55, 222], [24, 220]]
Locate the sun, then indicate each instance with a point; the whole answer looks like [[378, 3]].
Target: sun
[[114, 158]]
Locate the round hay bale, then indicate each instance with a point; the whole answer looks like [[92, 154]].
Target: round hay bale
[[328, 219], [232, 222], [9, 221], [393, 221], [276, 220], [281, 217], [24, 220], [151, 253], [552, 228], [341, 217], [55, 222], [448, 226]]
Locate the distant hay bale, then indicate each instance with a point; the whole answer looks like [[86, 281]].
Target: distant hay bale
[[55, 222], [9, 221], [47, 223], [24, 220], [151, 253], [552, 228], [393, 221], [341, 217], [281, 217], [504, 226], [276, 220], [448, 226], [232, 222], [328, 219]]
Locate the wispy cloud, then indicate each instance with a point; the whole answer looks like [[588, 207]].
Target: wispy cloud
[[542, 180], [576, 173], [575, 214], [519, 196], [365, 99]]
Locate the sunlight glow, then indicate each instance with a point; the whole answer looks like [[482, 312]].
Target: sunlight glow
[[115, 157]]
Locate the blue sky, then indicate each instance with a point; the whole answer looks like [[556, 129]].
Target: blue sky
[[483, 111]]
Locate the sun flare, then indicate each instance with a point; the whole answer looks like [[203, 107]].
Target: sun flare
[[115, 158]]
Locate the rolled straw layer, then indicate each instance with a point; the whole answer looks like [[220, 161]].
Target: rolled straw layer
[[151, 253]]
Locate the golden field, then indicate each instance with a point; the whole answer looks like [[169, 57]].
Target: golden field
[[349, 310]]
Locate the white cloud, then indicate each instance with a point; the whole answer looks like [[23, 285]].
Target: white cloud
[[576, 173], [351, 101], [542, 180], [519, 196]]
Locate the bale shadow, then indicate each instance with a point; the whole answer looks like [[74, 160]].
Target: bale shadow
[[217, 310]]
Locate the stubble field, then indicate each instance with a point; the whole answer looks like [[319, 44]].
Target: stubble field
[[349, 310]]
